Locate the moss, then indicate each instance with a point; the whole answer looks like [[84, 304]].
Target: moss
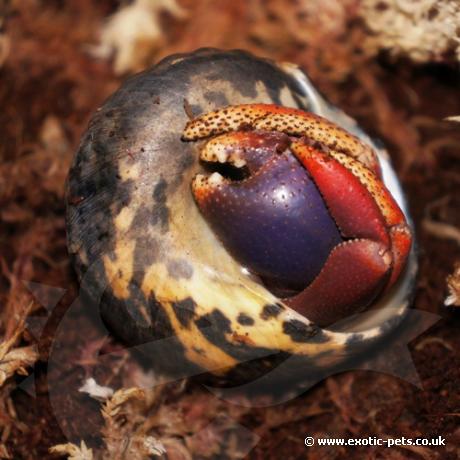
[[424, 31]]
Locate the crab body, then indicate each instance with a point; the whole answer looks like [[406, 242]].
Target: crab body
[[313, 214], [227, 246]]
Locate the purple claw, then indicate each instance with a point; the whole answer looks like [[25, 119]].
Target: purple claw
[[274, 221]]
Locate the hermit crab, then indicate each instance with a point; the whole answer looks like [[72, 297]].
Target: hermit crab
[[225, 217]]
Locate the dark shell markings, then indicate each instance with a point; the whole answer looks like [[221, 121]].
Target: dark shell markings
[[221, 297]]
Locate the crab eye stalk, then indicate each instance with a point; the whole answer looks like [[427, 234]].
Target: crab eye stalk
[[301, 204]]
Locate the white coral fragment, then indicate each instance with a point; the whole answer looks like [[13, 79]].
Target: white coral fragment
[[96, 391], [154, 447]]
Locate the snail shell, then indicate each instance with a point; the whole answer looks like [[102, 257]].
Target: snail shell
[[147, 256]]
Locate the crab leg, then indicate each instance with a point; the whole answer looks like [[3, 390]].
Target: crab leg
[[290, 121], [401, 242]]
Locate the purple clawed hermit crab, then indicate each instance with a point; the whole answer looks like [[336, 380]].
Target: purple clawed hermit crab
[[219, 203]]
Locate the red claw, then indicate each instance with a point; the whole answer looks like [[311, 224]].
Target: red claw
[[355, 211], [363, 208], [352, 277]]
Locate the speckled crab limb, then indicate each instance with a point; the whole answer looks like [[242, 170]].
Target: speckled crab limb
[[290, 121]]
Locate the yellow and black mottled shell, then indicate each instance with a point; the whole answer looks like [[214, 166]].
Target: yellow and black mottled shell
[[147, 256]]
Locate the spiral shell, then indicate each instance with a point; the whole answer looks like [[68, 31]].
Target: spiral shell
[[151, 262]]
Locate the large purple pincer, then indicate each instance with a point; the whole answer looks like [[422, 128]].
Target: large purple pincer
[[266, 210]]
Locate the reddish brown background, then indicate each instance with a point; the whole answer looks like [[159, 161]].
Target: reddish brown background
[[50, 84]]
